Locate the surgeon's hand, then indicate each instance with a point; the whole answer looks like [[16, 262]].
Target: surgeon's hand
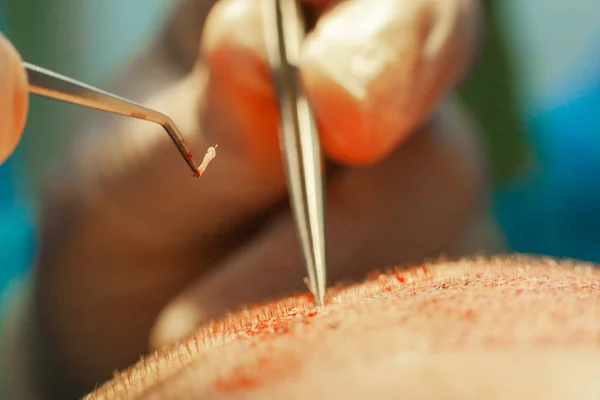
[[135, 252], [14, 99]]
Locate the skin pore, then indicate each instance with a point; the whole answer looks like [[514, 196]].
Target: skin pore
[[505, 327]]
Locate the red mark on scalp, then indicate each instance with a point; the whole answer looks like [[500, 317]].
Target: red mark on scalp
[[277, 324], [256, 374], [238, 381], [258, 325]]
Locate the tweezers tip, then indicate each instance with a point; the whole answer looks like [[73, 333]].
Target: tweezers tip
[[198, 170], [318, 292], [319, 300]]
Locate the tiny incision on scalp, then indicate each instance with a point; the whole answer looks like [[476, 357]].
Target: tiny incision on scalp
[[210, 154]]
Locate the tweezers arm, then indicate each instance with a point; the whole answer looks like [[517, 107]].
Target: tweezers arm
[[47, 83], [284, 34]]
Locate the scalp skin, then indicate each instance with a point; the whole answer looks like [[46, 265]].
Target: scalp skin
[[506, 327]]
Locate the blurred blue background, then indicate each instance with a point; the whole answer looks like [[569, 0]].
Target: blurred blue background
[[553, 207], [552, 64]]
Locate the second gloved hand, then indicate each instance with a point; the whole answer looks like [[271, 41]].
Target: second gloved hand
[[14, 98]]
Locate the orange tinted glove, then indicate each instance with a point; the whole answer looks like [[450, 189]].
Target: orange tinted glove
[[14, 98]]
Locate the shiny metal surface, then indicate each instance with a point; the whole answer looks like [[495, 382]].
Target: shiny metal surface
[[43, 82], [285, 32]]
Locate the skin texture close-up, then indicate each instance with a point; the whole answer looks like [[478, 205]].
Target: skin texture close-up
[[511, 327]]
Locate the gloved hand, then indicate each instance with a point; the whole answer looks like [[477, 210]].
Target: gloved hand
[[136, 251], [14, 98]]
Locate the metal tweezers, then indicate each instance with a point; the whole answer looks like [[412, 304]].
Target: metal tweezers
[[46, 83], [284, 33]]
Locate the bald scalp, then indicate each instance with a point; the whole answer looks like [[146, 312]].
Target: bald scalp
[[508, 327]]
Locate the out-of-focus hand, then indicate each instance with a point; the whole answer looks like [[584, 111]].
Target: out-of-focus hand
[[133, 249], [14, 99]]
